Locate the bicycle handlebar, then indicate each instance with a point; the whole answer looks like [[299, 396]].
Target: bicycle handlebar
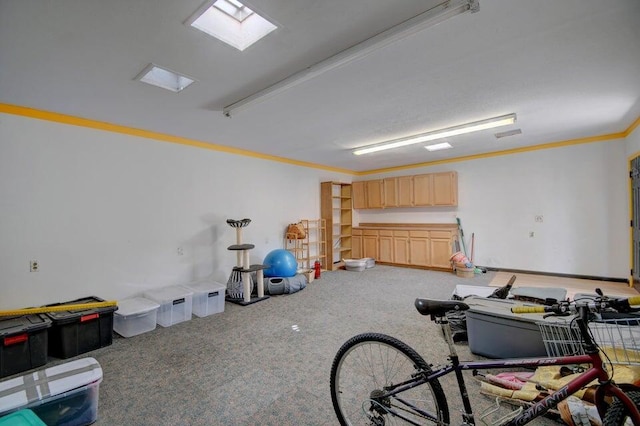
[[563, 308], [529, 309]]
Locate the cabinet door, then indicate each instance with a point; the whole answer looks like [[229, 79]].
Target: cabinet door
[[422, 188], [374, 193], [445, 189], [356, 246], [401, 247], [405, 191], [385, 246], [419, 248], [358, 195], [440, 245], [390, 192], [370, 244]]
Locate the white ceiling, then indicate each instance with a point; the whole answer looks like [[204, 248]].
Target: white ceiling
[[568, 69]]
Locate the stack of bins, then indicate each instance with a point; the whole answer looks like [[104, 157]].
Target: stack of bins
[[23, 343], [76, 332]]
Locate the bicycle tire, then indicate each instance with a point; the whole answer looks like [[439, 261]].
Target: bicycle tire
[[617, 413], [385, 358]]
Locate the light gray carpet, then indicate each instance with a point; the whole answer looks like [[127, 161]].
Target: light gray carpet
[[269, 363]]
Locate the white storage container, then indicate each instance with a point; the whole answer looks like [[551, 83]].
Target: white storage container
[[208, 297], [175, 304], [357, 265], [66, 394], [135, 316]]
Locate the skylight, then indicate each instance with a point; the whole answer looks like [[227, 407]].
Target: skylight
[[164, 78], [231, 22], [234, 8]]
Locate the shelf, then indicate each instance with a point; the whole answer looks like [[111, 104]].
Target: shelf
[[335, 207], [312, 247]]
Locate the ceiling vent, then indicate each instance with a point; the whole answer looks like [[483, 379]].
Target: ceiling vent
[[164, 78], [508, 133]]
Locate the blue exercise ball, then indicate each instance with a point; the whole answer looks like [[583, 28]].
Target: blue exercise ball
[[280, 263]]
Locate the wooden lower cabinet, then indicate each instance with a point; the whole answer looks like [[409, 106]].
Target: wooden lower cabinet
[[385, 246], [370, 243], [440, 248], [356, 244], [421, 247], [401, 247]]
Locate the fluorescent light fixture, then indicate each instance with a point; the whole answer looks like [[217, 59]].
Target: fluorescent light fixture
[[439, 13], [476, 126], [438, 146], [164, 78], [231, 22]]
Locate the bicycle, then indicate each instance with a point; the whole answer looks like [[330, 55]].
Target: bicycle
[[378, 380]]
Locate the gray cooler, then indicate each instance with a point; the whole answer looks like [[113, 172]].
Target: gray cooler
[[495, 332]]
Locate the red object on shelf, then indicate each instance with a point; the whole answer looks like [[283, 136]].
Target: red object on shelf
[[316, 266]]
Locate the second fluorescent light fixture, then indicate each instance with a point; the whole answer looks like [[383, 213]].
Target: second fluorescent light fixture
[[489, 123]]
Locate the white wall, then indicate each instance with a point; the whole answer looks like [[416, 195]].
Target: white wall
[[104, 213], [581, 191]]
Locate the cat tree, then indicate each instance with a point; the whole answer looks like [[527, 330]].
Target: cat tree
[[240, 283]]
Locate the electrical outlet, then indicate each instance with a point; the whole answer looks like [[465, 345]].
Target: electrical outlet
[[180, 251], [33, 266]]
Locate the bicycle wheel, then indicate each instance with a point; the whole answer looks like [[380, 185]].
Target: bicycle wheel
[[363, 370], [617, 414]]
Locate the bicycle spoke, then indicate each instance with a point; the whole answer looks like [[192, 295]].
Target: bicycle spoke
[[368, 370]]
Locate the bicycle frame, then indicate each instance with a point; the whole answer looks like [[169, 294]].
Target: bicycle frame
[[595, 372]]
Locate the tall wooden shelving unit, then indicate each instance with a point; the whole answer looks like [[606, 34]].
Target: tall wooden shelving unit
[[335, 209], [310, 248]]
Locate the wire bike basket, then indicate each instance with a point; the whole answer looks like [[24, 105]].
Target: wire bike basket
[[618, 338]]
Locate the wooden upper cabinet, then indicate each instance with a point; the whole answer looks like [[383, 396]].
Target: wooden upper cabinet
[[390, 192], [358, 195], [405, 191], [425, 190], [422, 190], [445, 189], [374, 194], [367, 194]]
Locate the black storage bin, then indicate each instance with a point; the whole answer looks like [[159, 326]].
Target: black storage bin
[[23, 343], [76, 332]]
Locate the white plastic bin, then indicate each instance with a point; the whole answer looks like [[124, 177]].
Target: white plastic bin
[[175, 304], [208, 297], [66, 394], [135, 316]]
